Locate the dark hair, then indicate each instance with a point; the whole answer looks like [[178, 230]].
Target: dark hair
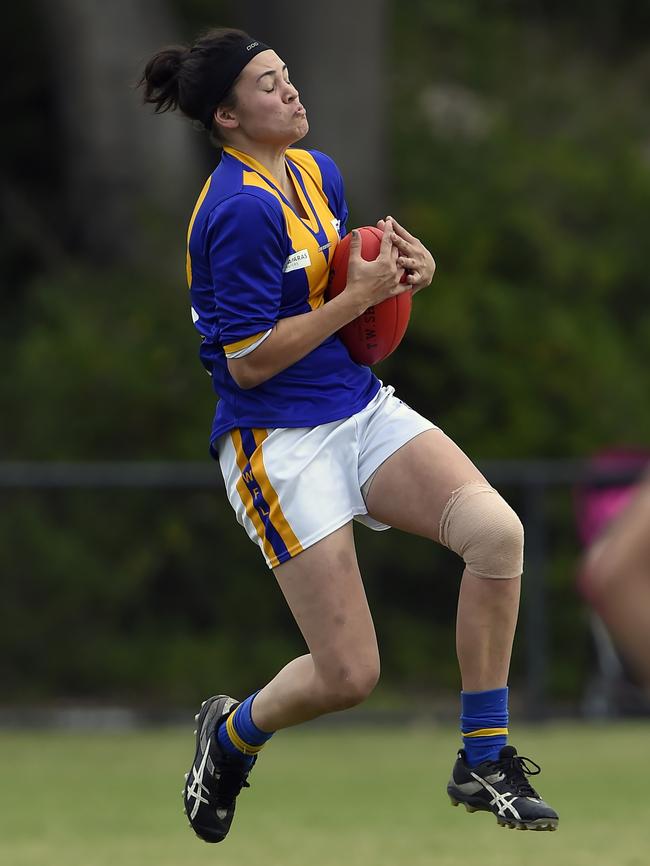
[[179, 76]]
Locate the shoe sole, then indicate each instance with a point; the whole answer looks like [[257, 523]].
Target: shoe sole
[[200, 718], [511, 823]]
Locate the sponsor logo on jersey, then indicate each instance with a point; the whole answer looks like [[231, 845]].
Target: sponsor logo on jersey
[[296, 261]]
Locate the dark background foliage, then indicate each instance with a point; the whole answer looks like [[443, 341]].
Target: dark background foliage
[[517, 147]]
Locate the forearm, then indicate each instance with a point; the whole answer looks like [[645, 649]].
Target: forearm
[[290, 340]]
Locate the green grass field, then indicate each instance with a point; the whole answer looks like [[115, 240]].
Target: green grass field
[[322, 797]]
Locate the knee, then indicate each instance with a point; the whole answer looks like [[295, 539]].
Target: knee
[[346, 685], [479, 525]]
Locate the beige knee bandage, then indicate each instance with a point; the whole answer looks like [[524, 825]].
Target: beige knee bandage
[[479, 525]]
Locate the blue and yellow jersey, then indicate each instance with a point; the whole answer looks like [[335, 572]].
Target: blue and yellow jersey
[[252, 260]]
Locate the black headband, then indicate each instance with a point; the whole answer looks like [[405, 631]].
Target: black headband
[[226, 71]]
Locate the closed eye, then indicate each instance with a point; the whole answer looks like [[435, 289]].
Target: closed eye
[[286, 81], [272, 73]]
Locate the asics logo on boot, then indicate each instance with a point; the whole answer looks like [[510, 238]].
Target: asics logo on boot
[[503, 802], [197, 787]]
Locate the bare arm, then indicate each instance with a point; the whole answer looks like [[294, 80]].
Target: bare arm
[[292, 338]]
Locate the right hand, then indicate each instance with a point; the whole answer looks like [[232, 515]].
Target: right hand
[[370, 283]]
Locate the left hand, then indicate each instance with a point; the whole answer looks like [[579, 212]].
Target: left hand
[[413, 256]]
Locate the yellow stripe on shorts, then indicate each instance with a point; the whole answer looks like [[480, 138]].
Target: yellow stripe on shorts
[[276, 514], [247, 498]]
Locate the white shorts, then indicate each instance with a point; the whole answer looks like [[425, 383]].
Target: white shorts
[[292, 486]]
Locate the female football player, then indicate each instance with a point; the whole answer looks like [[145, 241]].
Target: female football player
[[308, 440]]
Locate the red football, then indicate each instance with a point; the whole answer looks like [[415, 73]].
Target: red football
[[373, 335]]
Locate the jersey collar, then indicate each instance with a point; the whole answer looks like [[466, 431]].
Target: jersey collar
[[313, 223]]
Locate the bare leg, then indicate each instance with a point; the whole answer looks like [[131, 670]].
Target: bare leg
[[323, 588], [409, 492], [486, 619]]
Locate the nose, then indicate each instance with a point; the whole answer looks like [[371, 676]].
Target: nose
[[292, 92]]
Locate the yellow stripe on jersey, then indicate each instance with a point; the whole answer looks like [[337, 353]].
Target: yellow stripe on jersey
[[247, 497], [301, 239], [313, 180], [243, 344], [310, 207], [276, 514], [487, 732], [309, 166], [197, 206], [300, 231]]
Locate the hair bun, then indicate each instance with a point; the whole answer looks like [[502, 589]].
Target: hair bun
[[192, 77], [160, 78]]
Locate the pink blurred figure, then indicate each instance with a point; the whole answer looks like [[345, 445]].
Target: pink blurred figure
[[614, 524]]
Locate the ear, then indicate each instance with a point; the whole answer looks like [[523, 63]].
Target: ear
[[225, 117]]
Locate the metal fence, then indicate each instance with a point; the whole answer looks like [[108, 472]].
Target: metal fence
[[533, 479]]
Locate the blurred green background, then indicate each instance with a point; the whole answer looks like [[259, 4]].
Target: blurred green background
[[318, 795], [515, 142]]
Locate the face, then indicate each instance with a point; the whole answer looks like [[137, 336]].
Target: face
[[268, 107]]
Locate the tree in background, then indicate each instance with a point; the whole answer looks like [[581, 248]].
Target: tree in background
[[517, 148]]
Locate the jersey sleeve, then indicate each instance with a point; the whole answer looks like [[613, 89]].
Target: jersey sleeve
[[246, 247]]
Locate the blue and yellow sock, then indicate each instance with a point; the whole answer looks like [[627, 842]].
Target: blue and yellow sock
[[484, 723], [239, 735]]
